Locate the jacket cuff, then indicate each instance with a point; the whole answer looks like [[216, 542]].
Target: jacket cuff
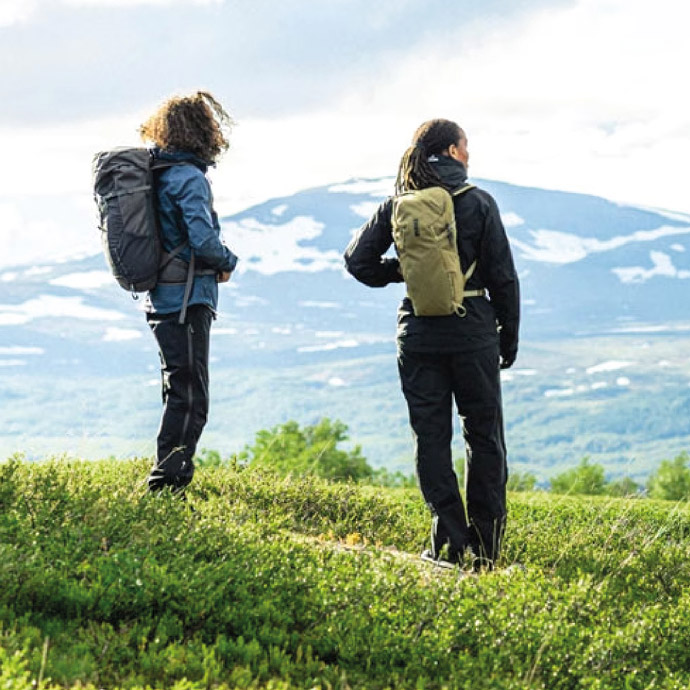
[[393, 273]]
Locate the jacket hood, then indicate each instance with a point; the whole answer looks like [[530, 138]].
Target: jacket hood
[[177, 156], [452, 172]]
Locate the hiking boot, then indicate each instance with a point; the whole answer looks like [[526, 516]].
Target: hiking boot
[[449, 561], [482, 565]]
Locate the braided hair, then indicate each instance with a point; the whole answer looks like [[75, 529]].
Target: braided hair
[[431, 138]]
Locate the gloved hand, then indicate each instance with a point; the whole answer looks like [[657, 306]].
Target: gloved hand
[[508, 345]]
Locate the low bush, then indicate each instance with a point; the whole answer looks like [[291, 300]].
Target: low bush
[[266, 581]]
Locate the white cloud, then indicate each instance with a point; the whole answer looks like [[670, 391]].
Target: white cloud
[[582, 98], [132, 3], [16, 11], [566, 98]]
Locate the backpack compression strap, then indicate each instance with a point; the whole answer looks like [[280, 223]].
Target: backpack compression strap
[[482, 291]]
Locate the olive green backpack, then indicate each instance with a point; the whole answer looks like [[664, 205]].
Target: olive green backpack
[[425, 236]]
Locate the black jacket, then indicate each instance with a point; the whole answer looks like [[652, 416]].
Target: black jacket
[[481, 237]]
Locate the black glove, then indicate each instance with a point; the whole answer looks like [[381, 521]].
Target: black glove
[[508, 345]]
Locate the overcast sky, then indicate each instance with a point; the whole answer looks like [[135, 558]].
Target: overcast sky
[[579, 95]]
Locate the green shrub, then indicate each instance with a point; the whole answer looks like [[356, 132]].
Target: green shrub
[[521, 481], [311, 450], [624, 488], [265, 581], [672, 480], [586, 478]]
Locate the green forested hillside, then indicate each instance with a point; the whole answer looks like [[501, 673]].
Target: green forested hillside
[[264, 582]]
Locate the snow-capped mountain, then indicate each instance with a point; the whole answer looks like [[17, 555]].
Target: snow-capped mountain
[[297, 337]]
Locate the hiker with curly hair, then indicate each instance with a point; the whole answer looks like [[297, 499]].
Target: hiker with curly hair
[[188, 134], [455, 356]]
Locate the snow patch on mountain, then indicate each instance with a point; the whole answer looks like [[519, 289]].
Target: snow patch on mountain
[[610, 365], [512, 220], [553, 246], [50, 306], [662, 265], [38, 270], [274, 248], [20, 350], [378, 188], [116, 335], [86, 280], [365, 209]]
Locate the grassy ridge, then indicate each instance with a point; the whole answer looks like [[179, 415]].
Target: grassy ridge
[[282, 583]]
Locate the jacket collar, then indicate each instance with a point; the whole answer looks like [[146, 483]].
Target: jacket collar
[[452, 172], [180, 156]]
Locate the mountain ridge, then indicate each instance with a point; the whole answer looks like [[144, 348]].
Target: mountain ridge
[[297, 337]]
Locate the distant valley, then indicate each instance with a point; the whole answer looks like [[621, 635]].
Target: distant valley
[[603, 370]]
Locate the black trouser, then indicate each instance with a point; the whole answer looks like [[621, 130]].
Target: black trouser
[[429, 383], [183, 350]]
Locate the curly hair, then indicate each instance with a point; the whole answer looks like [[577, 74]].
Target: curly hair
[[431, 138], [196, 123]]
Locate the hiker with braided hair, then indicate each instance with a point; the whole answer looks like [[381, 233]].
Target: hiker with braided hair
[[188, 134], [454, 356]]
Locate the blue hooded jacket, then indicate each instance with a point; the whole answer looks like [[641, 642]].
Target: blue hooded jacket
[[185, 209]]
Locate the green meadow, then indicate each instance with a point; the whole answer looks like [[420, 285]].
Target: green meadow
[[262, 581]]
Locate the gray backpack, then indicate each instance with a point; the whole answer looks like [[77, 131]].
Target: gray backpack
[[124, 193], [124, 190]]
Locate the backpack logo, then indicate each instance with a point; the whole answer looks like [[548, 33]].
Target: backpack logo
[[425, 237]]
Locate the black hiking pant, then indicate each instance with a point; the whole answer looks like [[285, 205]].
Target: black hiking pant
[[430, 382], [184, 352]]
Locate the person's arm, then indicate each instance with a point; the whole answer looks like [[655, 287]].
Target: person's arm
[[364, 255], [498, 269], [195, 205]]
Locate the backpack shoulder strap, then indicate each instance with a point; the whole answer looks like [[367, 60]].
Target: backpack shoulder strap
[[470, 270], [462, 190]]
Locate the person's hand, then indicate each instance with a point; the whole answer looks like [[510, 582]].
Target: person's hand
[[223, 276], [507, 361]]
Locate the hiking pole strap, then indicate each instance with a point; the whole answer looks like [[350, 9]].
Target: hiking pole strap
[[187, 289]]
